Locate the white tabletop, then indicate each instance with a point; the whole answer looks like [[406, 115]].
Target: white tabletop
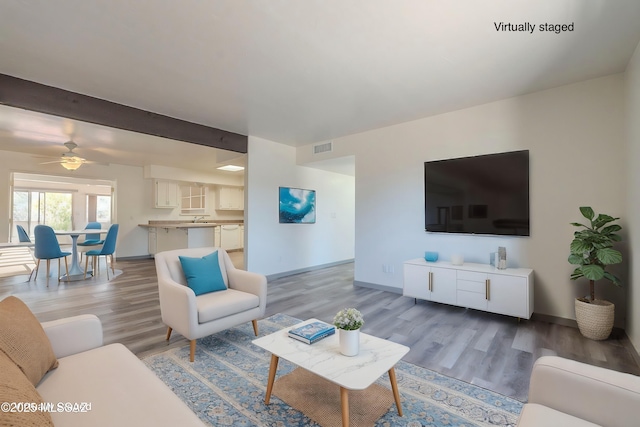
[[83, 231], [323, 357]]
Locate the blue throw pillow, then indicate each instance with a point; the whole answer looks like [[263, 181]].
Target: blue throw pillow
[[203, 274]]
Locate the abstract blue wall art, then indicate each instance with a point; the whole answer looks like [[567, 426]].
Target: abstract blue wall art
[[297, 206]]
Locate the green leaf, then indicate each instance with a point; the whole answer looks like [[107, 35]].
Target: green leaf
[[601, 220], [593, 271], [611, 229], [612, 278], [579, 247], [577, 273], [576, 259], [577, 224], [609, 256], [615, 237], [587, 212]]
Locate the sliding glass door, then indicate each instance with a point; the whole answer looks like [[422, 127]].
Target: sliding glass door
[[33, 207]]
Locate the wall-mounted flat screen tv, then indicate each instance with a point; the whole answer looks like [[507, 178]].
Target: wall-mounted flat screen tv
[[486, 194]]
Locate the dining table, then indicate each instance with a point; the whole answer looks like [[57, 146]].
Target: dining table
[[75, 271]]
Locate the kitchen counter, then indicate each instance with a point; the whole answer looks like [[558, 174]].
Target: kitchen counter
[[182, 225], [201, 224]]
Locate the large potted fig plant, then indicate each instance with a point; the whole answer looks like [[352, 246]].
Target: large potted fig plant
[[592, 251]]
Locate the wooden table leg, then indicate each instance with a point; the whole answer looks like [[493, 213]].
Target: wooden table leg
[[344, 399], [394, 387], [272, 376]]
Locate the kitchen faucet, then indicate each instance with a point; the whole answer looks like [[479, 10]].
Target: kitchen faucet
[[197, 218]]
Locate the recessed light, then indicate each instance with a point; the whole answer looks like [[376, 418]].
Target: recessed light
[[231, 168]]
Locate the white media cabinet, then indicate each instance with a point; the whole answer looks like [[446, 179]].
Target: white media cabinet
[[477, 286]]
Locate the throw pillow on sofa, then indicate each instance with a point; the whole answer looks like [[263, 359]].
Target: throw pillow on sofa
[[24, 341], [16, 389], [203, 274]]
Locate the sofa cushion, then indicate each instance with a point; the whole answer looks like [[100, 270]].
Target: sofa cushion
[[24, 341], [203, 274], [122, 391], [224, 303], [15, 388], [535, 415]]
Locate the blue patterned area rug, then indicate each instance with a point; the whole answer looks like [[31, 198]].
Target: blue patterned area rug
[[226, 386]]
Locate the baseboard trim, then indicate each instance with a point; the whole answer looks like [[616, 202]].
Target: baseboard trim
[[377, 287], [306, 269], [554, 319]]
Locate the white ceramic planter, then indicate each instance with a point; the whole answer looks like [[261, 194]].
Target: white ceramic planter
[[349, 342]]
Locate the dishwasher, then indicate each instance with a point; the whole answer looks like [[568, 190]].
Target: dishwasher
[[230, 236]]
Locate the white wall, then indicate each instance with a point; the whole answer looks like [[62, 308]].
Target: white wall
[[632, 89], [576, 139], [273, 248]]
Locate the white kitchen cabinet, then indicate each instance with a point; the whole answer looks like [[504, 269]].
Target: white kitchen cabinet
[[230, 198], [193, 199], [165, 194], [153, 245], [477, 286]]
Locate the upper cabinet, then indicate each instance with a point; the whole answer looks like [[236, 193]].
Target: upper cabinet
[[194, 198], [230, 198], [165, 194]]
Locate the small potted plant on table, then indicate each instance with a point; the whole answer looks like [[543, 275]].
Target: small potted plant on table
[[349, 321], [592, 251]]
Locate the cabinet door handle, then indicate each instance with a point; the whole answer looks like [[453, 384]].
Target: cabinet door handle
[[487, 289], [430, 281]]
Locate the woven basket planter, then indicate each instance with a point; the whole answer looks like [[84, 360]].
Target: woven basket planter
[[595, 320]]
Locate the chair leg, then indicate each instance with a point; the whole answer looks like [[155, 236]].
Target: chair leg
[[106, 265], [255, 326], [48, 268], [192, 348], [66, 267], [86, 265], [113, 269], [36, 270], [59, 270], [169, 329]]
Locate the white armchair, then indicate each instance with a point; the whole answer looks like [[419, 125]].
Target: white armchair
[[567, 393], [245, 298]]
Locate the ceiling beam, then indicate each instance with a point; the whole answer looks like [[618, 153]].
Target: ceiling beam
[[33, 96]]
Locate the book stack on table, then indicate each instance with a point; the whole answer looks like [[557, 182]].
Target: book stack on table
[[312, 332]]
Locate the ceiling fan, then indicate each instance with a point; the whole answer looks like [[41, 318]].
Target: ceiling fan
[[69, 160]]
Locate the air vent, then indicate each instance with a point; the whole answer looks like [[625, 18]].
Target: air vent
[[323, 148]]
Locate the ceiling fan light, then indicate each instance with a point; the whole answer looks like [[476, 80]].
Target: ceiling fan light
[[71, 166], [72, 163]]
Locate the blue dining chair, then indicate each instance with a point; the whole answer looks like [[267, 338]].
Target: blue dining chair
[[108, 248], [22, 234], [47, 247], [90, 239]]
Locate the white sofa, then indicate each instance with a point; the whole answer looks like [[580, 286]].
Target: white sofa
[[120, 389], [566, 393]]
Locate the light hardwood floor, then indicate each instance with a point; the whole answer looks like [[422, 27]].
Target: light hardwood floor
[[491, 351]]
